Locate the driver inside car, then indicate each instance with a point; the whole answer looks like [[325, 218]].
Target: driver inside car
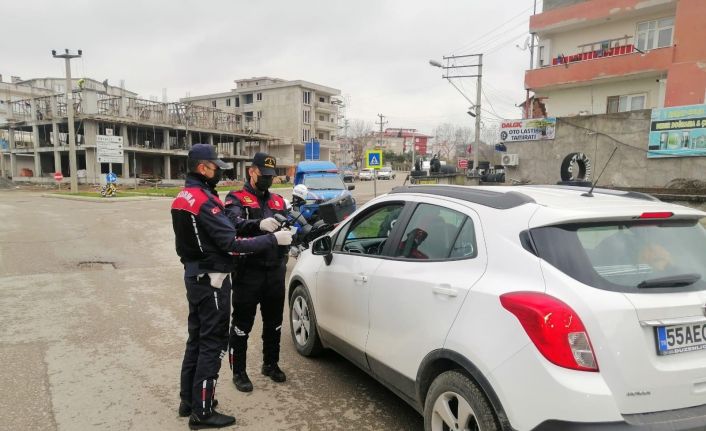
[[410, 245]]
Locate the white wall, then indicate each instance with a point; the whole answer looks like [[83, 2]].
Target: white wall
[[594, 98]]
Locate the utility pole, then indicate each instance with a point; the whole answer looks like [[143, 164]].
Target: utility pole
[[459, 62], [73, 168], [375, 173], [531, 65]]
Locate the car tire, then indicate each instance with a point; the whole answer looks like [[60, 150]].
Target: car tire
[[456, 401], [303, 323]]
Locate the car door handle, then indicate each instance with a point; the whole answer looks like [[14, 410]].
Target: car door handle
[[445, 289], [360, 277]]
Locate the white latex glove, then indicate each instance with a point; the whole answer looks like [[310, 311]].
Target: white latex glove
[[284, 237], [269, 225]]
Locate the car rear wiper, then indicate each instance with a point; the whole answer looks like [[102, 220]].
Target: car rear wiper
[[671, 281]]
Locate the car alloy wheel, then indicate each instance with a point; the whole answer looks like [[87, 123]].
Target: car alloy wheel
[[301, 324], [452, 412], [455, 403], [303, 318]]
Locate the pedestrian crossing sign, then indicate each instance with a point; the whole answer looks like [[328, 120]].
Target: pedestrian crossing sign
[[373, 159]]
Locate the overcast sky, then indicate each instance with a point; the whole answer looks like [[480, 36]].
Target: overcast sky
[[375, 52]]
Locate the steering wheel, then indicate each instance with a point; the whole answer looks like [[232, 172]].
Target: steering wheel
[[354, 248], [377, 249]]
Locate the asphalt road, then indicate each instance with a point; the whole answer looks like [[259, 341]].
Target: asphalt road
[[93, 326]]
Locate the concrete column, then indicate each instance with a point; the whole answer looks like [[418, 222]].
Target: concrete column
[[240, 147], [188, 141], [35, 147], [57, 153], [166, 138], [210, 139], [126, 165], [127, 159], [167, 168], [13, 160], [243, 169]]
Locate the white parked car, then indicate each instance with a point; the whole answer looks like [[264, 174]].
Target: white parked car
[[516, 308], [366, 175], [385, 173]]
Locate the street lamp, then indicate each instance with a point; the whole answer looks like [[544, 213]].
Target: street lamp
[[476, 105], [70, 114]]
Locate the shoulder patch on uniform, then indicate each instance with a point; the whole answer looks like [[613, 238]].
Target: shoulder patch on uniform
[[215, 210], [276, 202], [189, 199]]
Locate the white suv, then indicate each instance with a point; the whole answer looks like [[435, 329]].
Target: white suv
[[516, 308]]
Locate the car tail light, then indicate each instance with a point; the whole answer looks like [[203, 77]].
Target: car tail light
[[554, 328]]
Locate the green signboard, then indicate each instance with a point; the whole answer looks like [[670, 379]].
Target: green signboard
[[678, 132]]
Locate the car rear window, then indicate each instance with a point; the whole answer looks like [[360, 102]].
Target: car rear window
[[632, 256]]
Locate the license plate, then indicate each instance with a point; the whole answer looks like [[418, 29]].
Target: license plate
[[681, 338]]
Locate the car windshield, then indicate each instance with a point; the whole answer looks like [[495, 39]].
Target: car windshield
[[635, 256], [386, 170], [328, 182]]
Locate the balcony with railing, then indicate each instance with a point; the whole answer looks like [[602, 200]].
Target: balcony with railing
[[600, 60]]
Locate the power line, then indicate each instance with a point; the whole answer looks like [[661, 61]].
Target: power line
[[470, 45]]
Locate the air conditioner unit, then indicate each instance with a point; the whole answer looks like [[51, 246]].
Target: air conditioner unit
[[510, 160]]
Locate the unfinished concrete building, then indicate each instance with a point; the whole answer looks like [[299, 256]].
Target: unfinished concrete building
[[156, 137]]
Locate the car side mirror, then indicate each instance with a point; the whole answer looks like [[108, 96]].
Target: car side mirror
[[351, 187], [322, 247]]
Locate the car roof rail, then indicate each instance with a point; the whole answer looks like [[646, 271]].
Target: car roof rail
[[611, 192], [492, 199]]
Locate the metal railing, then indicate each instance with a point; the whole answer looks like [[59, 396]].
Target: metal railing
[[598, 49]]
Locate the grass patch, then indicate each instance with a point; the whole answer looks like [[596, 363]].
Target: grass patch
[[159, 191]]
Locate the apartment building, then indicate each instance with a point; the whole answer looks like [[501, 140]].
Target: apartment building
[[609, 56], [294, 111]]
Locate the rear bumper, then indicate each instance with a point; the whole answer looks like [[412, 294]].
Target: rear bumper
[[688, 419]]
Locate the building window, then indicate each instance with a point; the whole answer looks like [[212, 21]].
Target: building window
[[213, 103], [321, 135], [237, 102], [259, 97], [655, 34], [631, 102], [307, 117], [248, 98], [306, 134], [322, 99], [259, 114], [228, 102], [307, 98], [248, 116], [322, 118]]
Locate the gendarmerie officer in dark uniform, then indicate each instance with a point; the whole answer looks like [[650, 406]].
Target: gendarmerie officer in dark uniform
[[206, 241], [260, 277]]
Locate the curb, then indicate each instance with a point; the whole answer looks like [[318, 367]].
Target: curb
[[102, 200]]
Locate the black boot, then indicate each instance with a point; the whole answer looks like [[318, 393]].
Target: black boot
[[273, 372], [185, 408], [242, 381], [214, 420]]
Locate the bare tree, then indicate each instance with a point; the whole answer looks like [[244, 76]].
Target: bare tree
[[452, 140], [359, 132]]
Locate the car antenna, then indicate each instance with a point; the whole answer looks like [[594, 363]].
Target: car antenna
[[590, 192]]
